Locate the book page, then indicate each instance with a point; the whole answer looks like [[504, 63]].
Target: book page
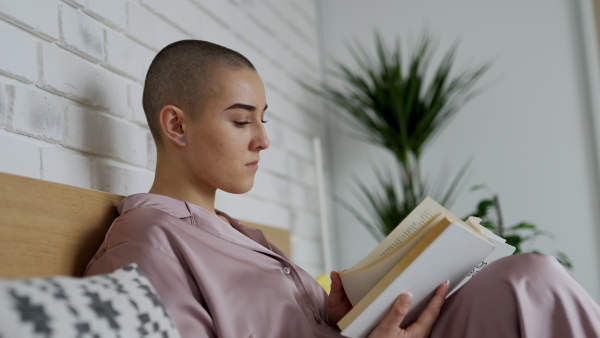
[[359, 281], [423, 213]]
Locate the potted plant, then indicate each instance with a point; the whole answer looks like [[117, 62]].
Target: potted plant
[[521, 235], [401, 104]]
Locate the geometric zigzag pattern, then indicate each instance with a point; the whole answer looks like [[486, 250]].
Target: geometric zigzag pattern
[[120, 304]]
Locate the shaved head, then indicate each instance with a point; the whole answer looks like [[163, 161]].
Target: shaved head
[[182, 75]]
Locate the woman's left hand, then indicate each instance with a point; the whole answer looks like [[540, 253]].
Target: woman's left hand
[[337, 303]]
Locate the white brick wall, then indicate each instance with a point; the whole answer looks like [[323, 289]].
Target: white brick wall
[[120, 179], [150, 29], [81, 33], [69, 75], [97, 133], [111, 12], [35, 114], [125, 56], [3, 105], [19, 156], [21, 62], [66, 166], [36, 16], [71, 91]]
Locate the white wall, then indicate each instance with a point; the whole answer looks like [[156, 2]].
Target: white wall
[[71, 76], [529, 133]]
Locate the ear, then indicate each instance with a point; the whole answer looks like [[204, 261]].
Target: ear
[[172, 121]]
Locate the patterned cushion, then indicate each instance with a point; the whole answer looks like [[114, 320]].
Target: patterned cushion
[[119, 304]]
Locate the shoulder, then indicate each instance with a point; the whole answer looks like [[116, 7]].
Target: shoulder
[[147, 226]]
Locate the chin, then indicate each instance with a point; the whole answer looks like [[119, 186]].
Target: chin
[[239, 189]]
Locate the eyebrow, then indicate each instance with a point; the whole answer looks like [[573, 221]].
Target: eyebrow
[[246, 107]]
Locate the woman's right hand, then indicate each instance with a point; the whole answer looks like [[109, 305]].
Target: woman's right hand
[[390, 324]]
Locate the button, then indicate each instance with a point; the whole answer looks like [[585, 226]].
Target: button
[[286, 270]]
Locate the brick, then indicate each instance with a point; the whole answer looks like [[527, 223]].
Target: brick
[[307, 54], [275, 160], [66, 167], [263, 65], [304, 198], [37, 16], [220, 10], [303, 171], [300, 36], [127, 56], [314, 270], [216, 32], [35, 114], [272, 75], [290, 114], [307, 9], [18, 156], [294, 92], [181, 13], [264, 13], [21, 62], [136, 110], [306, 224], [275, 130], [119, 180], [97, 133], [71, 76], [3, 105], [252, 209], [290, 26], [299, 143], [307, 252], [298, 67], [270, 187], [297, 24], [150, 29], [81, 33], [151, 150], [76, 3], [111, 12], [261, 40]]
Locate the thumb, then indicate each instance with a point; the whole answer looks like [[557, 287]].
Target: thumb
[[336, 294], [336, 283]]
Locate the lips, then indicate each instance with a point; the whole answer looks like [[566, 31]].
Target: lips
[[252, 165]]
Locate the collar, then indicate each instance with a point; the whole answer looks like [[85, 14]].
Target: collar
[[169, 205], [199, 217]]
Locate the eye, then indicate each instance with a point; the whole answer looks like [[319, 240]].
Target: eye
[[264, 121], [241, 124]]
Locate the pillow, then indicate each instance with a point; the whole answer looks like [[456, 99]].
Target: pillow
[[119, 304]]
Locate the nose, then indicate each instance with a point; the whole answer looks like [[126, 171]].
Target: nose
[[260, 140]]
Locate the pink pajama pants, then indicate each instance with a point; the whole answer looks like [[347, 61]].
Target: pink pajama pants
[[526, 295]]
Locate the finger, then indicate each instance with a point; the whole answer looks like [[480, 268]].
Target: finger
[[336, 294], [390, 324], [336, 282], [430, 314]]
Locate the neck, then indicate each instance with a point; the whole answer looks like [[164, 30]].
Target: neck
[[174, 181]]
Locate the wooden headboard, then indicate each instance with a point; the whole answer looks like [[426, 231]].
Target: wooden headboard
[[54, 229]]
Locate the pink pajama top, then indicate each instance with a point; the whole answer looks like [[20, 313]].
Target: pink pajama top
[[215, 280]]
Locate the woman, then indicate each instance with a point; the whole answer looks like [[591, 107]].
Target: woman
[[205, 106]]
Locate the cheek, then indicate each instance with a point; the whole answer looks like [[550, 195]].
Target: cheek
[[224, 154]]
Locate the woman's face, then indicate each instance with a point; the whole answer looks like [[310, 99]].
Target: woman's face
[[225, 139]]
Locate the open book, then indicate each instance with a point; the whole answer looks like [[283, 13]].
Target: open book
[[430, 246]]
